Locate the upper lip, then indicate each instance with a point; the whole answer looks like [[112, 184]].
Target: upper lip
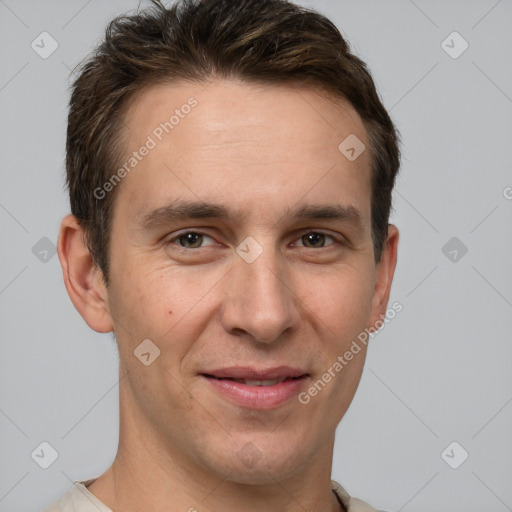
[[246, 372]]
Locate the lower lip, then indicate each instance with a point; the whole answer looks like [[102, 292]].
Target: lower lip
[[257, 397]]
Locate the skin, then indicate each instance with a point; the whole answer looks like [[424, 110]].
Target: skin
[[260, 150]]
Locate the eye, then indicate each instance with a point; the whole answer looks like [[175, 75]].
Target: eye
[[191, 240], [315, 239]]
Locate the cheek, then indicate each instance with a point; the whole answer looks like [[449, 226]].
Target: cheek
[[344, 308], [142, 309], [343, 302], [167, 306]]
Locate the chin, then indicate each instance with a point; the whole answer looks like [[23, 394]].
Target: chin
[[258, 462]]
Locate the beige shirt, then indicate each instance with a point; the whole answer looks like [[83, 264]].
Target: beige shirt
[[80, 499]]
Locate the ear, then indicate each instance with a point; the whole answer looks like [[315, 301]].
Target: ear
[[384, 277], [83, 279]]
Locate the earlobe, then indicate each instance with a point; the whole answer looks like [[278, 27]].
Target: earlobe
[[82, 278], [384, 276]]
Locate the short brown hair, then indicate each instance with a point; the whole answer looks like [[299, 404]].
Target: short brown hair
[[262, 41]]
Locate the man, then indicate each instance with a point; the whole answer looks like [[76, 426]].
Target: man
[[230, 169]]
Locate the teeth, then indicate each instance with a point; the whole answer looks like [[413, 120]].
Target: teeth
[[267, 382]]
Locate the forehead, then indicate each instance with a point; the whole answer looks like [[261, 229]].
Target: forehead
[[207, 140]]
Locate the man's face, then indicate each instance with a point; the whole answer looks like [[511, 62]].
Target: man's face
[[261, 292]]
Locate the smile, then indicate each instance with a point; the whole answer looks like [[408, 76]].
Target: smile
[[257, 389]]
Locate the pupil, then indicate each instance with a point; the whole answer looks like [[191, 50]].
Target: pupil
[[190, 239], [314, 238]]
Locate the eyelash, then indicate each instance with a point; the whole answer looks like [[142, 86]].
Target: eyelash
[[337, 240]]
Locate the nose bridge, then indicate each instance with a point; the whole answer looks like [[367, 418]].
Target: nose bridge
[[265, 278], [260, 301]]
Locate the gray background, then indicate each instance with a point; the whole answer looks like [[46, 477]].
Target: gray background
[[439, 372]]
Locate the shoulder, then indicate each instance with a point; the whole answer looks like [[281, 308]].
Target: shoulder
[[78, 499], [350, 503]]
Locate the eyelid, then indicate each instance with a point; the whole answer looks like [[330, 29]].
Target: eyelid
[[177, 235], [337, 237]]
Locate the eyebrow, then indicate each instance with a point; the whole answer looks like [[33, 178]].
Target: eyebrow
[[185, 210]]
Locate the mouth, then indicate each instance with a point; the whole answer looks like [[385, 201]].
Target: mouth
[[255, 382], [257, 388]]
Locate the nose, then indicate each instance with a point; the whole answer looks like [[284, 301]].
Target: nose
[[259, 299]]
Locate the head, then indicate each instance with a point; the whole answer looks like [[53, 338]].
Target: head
[[241, 235]]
